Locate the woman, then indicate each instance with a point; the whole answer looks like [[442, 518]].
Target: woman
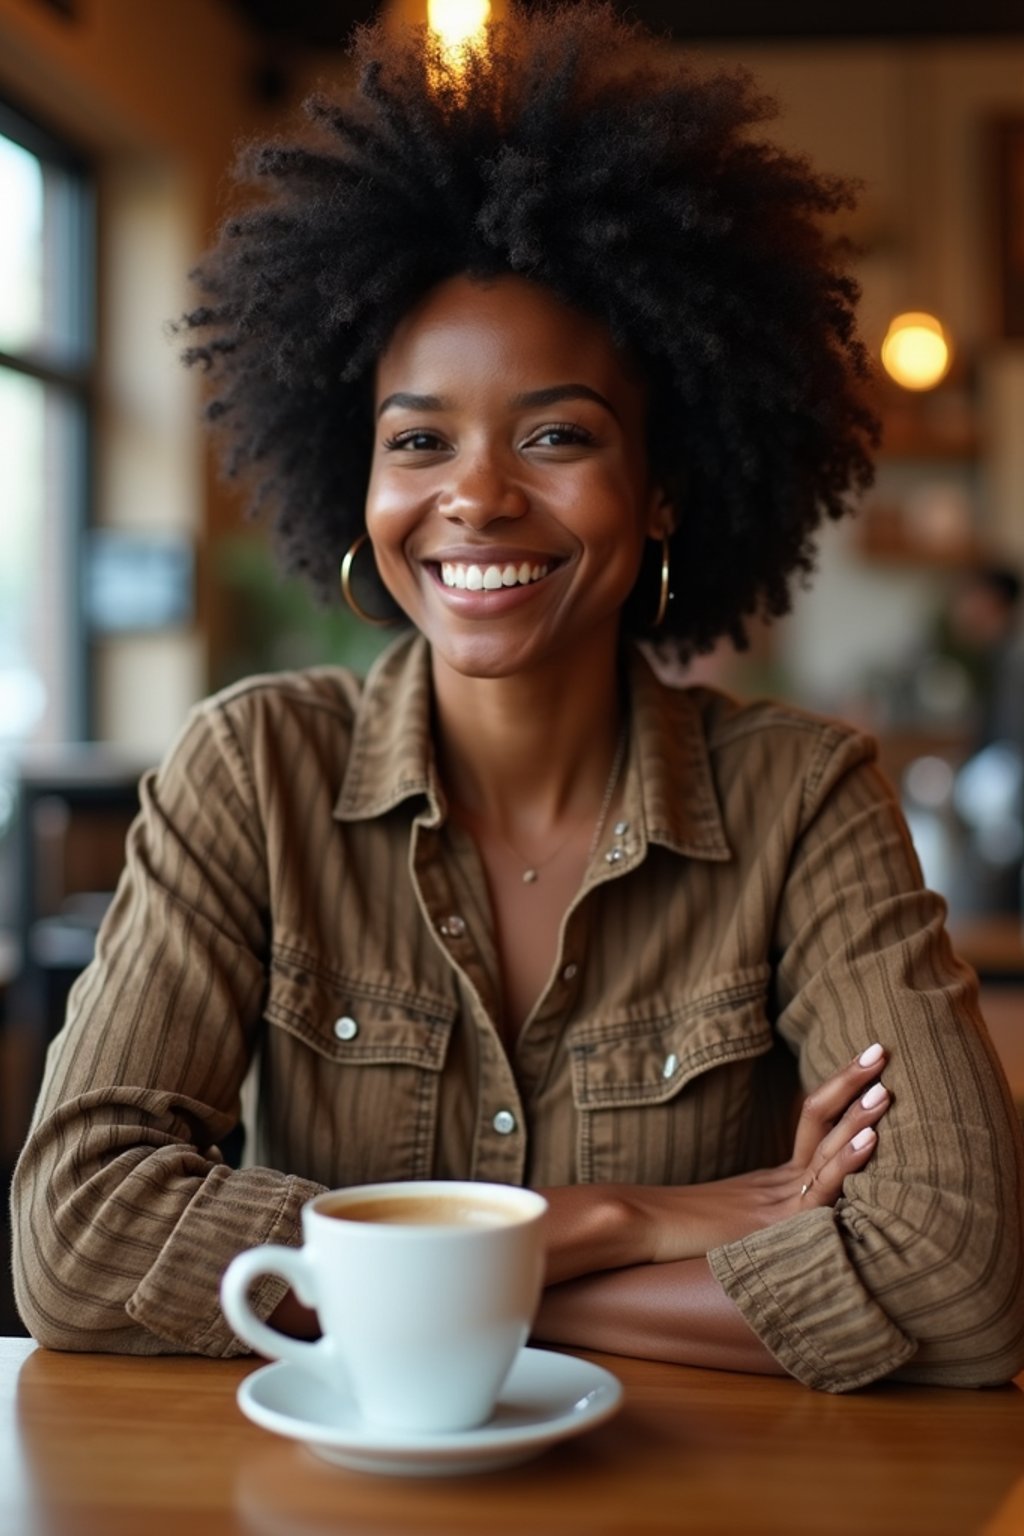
[[555, 345]]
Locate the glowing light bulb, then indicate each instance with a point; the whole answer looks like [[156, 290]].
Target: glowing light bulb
[[916, 351], [458, 23]]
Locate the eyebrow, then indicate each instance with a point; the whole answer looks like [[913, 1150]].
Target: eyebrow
[[408, 402], [533, 397]]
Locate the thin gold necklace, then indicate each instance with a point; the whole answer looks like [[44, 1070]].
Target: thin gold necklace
[[531, 872]]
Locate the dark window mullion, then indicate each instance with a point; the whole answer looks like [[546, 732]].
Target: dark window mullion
[[78, 381]]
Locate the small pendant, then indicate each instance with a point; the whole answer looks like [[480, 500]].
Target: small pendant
[[529, 876]]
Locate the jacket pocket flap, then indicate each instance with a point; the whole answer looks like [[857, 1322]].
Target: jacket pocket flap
[[623, 1063], [358, 1020]]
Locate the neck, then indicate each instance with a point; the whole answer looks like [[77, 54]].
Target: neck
[[529, 752]]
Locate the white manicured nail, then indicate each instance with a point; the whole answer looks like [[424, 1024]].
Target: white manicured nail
[[871, 1055], [874, 1096], [863, 1139]]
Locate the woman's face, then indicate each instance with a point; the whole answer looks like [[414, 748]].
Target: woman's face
[[509, 495]]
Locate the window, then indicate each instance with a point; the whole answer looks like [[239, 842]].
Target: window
[[46, 392]]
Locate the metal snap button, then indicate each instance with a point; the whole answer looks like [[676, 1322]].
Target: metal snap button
[[504, 1122], [346, 1028], [671, 1063]]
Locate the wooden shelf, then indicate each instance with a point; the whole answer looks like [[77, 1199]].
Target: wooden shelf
[[882, 537], [939, 425]]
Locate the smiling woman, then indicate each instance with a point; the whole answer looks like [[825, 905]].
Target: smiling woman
[[511, 437], [556, 338]]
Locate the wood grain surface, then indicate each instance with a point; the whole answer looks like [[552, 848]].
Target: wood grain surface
[[94, 1445]]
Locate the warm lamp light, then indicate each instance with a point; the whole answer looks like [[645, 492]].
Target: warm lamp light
[[916, 351], [458, 23]]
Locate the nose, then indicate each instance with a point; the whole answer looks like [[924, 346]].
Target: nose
[[480, 492]]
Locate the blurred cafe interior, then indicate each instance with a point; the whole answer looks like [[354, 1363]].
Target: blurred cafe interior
[[130, 585]]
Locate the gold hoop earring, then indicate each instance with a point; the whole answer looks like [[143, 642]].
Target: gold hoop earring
[[346, 584], [663, 593]]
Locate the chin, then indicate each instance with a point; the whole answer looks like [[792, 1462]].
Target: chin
[[487, 656]]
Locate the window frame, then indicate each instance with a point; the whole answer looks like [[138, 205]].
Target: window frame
[[76, 378]]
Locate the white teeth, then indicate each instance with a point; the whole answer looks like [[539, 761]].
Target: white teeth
[[488, 578]]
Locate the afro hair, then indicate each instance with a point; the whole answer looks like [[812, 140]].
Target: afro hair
[[579, 151]]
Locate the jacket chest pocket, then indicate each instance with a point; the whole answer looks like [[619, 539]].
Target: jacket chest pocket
[[350, 1077], [670, 1099]]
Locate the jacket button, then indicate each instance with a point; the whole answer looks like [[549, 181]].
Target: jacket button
[[504, 1122], [671, 1063], [452, 927], [346, 1028]]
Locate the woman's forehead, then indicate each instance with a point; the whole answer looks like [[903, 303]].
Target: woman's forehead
[[503, 328]]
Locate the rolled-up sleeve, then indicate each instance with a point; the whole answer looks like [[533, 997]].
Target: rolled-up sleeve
[[919, 1268], [124, 1210]]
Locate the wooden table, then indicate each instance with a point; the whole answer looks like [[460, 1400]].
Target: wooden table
[[1002, 1008], [994, 945], [94, 1445]]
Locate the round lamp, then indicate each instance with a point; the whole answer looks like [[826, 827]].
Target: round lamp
[[916, 351]]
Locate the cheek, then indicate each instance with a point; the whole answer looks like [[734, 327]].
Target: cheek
[[610, 521], [389, 514]]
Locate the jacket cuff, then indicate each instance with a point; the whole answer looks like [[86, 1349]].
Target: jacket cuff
[[797, 1289], [178, 1300]]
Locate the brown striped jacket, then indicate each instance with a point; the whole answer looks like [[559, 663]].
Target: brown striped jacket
[[300, 930]]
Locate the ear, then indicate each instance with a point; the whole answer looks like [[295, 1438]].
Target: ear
[[661, 514]]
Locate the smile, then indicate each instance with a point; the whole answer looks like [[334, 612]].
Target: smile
[[489, 578]]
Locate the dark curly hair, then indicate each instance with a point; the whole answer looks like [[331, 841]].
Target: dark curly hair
[[583, 153]]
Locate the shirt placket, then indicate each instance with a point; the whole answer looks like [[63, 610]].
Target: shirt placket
[[500, 1134], [542, 1034]]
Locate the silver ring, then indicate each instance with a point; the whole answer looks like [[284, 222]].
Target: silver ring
[[805, 1187]]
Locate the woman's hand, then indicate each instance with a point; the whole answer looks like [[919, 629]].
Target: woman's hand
[[835, 1137], [836, 1131], [598, 1227]]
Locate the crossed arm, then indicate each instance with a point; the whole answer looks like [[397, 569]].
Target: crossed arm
[[627, 1270], [627, 1267]]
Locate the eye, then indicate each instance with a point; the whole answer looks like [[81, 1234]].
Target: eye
[[415, 440], [562, 434]]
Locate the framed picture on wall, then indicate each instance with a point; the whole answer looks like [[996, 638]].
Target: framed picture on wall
[[1009, 162]]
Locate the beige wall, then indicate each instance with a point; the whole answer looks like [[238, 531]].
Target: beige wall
[[911, 121]]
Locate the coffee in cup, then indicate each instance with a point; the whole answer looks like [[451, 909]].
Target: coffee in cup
[[425, 1294]]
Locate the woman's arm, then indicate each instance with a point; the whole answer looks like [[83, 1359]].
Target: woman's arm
[[593, 1228], [914, 1265], [625, 1263], [124, 1211], [676, 1311], [627, 1268], [918, 1267]]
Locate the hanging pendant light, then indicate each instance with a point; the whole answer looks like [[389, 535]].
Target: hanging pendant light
[[916, 352], [459, 24]]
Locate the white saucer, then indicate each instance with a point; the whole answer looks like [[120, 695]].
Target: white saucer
[[547, 1397]]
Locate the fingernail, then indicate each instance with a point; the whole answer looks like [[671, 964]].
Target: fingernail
[[874, 1096], [863, 1139], [871, 1055]]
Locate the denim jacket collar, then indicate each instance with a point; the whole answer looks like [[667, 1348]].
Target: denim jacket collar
[[669, 787]]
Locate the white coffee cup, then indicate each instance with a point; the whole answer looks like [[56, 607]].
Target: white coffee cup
[[425, 1293]]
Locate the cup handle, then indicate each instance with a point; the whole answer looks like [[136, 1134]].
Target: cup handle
[[291, 1265]]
